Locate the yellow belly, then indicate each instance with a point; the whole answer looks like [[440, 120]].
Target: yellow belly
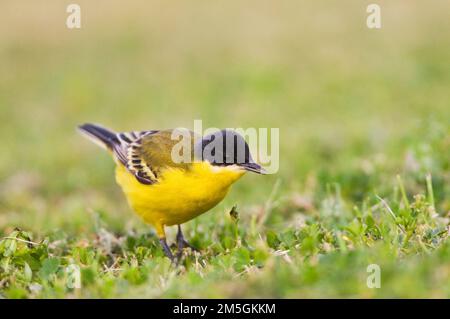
[[179, 196]]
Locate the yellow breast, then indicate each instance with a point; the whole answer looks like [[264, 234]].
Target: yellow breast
[[180, 194]]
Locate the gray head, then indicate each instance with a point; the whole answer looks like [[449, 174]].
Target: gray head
[[226, 148]]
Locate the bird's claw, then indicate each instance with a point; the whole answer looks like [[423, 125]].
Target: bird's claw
[[181, 244]]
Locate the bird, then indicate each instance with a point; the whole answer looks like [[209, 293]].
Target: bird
[[164, 190]]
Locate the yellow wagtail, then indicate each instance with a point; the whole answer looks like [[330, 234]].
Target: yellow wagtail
[[166, 192]]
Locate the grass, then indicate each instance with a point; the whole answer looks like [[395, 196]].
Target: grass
[[364, 168]]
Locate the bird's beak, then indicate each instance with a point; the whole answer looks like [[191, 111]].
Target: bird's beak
[[253, 167]]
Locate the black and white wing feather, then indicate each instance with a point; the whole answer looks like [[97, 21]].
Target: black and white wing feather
[[131, 143], [126, 146]]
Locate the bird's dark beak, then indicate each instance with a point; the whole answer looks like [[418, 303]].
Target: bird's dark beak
[[253, 167]]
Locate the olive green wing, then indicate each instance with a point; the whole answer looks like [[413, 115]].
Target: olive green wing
[[143, 153], [150, 153], [128, 153]]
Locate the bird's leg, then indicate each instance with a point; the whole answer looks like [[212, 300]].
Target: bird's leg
[[159, 227], [181, 242], [166, 249]]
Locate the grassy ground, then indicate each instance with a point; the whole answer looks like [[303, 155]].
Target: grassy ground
[[365, 135]]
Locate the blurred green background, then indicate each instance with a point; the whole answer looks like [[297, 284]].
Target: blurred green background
[[354, 106]]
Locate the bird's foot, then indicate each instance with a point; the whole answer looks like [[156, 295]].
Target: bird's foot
[[182, 243], [166, 249]]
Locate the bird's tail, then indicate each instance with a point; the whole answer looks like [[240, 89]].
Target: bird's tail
[[99, 135]]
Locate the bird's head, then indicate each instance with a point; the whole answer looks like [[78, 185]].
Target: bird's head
[[227, 148]]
